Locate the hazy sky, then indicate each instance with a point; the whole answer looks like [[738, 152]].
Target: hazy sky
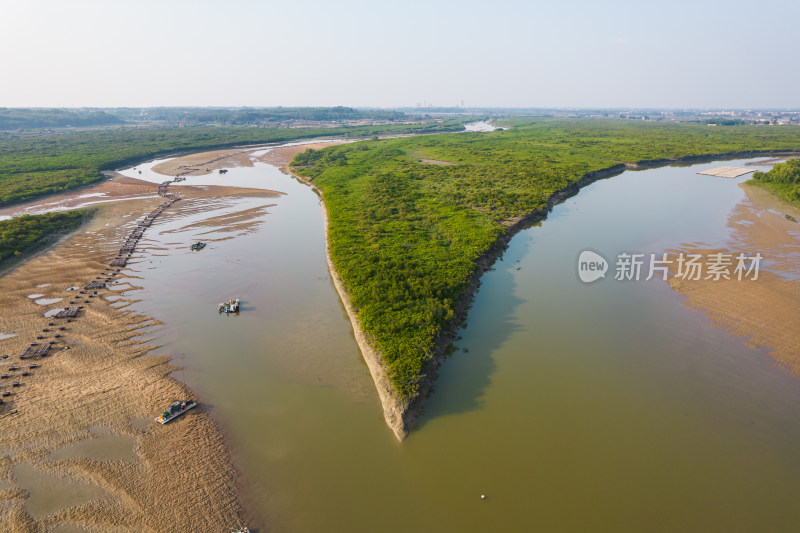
[[346, 52]]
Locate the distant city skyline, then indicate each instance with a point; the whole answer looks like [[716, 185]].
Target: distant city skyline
[[579, 54]]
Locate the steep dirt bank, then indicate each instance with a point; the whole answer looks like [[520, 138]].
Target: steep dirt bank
[[708, 158], [394, 409]]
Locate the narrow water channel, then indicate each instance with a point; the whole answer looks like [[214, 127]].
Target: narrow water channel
[[572, 407]]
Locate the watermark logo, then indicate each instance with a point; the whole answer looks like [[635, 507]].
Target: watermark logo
[[637, 266], [591, 266]]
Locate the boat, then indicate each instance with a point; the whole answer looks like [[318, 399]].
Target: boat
[[176, 409], [231, 306], [198, 245], [243, 530]]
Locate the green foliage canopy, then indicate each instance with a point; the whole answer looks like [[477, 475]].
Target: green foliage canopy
[[30, 232], [34, 166], [405, 234], [783, 179]]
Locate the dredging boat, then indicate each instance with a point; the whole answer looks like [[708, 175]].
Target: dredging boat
[[175, 410], [199, 245], [231, 306]]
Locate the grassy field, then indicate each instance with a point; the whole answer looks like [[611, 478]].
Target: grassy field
[[783, 179], [33, 166], [405, 234]]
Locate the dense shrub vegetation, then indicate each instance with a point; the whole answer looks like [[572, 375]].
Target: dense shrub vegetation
[[12, 119], [29, 232], [405, 235], [37, 165], [36, 118], [783, 179], [249, 116]]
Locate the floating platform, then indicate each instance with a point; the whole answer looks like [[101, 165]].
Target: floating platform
[[726, 172], [130, 244], [40, 350], [67, 312], [95, 284]]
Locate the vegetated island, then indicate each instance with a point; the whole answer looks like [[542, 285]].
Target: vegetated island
[[783, 180], [408, 240]]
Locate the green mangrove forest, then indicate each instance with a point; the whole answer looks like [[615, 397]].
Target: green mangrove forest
[[783, 180], [411, 218], [28, 233]]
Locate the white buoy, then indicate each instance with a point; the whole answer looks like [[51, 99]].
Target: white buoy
[[483, 496]]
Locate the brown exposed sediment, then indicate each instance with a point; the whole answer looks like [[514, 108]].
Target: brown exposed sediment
[[769, 162], [765, 311], [203, 163], [402, 416], [437, 162], [98, 378], [119, 189]]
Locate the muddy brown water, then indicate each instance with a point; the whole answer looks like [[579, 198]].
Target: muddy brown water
[[571, 407]]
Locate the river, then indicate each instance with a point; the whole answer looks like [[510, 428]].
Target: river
[[571, 407]]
